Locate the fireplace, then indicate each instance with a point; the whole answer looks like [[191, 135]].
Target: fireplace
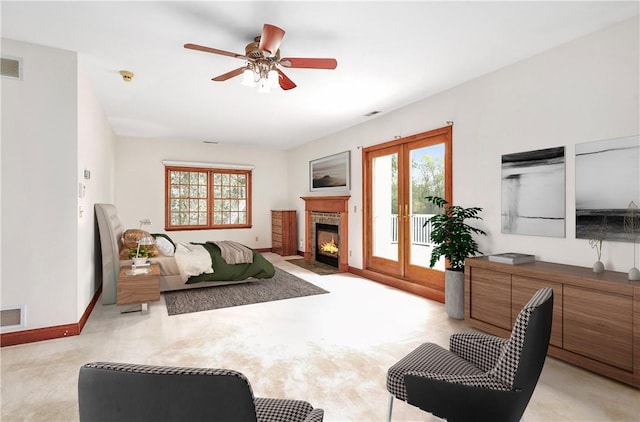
[[327, 210], [327, 244]]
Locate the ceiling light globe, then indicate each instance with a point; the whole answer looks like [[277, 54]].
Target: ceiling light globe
[[273, 78], [247, 77]]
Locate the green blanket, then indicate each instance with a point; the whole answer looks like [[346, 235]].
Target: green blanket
[[259, 268]]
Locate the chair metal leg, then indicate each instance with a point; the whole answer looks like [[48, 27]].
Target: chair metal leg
[[390, 407]]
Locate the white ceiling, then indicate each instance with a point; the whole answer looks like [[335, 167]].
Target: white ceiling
[[389, 54]]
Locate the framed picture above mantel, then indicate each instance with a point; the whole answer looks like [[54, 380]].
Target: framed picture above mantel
[[332, 173]]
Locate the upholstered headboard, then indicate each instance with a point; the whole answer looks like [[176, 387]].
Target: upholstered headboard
[[110, 231]]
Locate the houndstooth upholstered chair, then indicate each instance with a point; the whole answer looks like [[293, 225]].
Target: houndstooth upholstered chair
[[481, 377], [126, 392]]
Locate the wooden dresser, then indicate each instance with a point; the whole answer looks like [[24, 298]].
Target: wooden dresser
[[596, 317], [284, 232]]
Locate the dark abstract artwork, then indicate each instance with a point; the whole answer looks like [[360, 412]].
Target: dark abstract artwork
[[533, 192], [607, 180]]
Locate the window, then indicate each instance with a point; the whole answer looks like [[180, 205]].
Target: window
[[207, 198]]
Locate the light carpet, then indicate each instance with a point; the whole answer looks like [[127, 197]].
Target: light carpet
[[282, 285], [332, 350]]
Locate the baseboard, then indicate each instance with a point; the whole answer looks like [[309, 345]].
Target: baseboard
[[50, 333], [399, 283]]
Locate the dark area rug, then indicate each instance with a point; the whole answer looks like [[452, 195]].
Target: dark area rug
[[315, 266], [282, 286]]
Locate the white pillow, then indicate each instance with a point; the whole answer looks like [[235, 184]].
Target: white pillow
[[164, 246]]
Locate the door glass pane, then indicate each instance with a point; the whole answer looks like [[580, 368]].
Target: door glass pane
[[427, 179], [385, 206]]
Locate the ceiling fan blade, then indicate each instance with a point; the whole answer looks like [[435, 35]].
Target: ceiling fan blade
[[298, 62], [214, 51], [285, 82], [228, 75], [270, 39]]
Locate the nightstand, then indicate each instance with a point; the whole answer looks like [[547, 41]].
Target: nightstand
[[138, 289]]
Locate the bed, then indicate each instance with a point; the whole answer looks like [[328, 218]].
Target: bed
[[172, 276]]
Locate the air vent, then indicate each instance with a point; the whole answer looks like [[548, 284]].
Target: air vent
[[11, 68], [372, 113], [12, 317]]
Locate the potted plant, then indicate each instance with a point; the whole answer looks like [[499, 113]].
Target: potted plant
[[138, 255], [454, 240], [595, 241]]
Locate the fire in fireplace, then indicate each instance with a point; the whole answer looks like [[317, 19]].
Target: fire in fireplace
[[327, 241]]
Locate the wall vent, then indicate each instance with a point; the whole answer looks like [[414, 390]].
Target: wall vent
[[12, 317], [11, 68]]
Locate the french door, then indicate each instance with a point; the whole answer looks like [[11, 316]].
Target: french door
[[397, 177]]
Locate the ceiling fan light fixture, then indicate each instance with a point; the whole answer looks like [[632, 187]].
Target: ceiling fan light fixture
[[248, 77], [262, 60]]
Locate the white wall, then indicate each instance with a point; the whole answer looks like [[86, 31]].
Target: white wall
[[39, 142], [52, 129], [140, 185], [582, 91], [96, 153]]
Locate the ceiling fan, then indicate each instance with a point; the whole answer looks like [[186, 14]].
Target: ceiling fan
[[263, 61]]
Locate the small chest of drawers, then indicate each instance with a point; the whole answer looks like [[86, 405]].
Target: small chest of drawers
[[284, 232]]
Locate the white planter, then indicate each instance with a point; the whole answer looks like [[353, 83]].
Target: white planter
[[138, 262], [454, 293]]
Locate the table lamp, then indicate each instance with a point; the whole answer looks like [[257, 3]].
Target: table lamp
[[142, 241]]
